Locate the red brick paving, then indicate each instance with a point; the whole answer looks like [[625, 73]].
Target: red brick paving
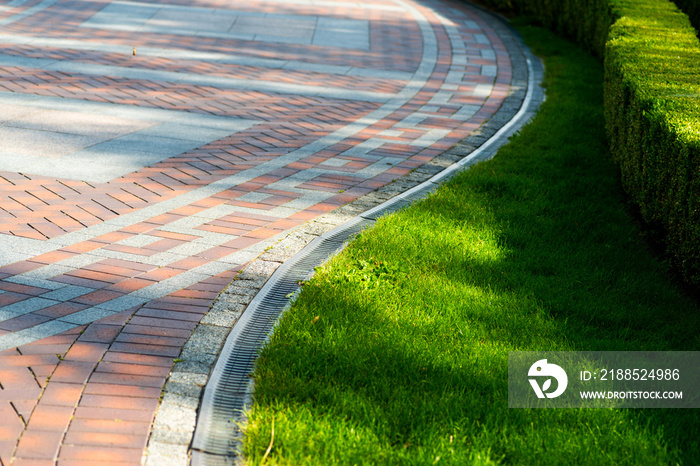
[[89, 395]]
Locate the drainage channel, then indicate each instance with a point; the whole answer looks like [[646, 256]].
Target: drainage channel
[[217, 439]]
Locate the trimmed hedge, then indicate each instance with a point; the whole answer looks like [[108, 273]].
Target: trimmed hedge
[[653, 119], [652, 105]]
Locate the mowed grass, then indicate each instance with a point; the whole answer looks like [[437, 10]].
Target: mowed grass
[[396, 351]]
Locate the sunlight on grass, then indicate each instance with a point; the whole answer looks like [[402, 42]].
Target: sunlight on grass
[[396, 351]]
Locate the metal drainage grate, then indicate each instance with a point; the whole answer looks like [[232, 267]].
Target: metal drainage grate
[[217, 437]]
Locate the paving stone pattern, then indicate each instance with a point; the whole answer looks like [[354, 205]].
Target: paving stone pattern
[[150, 153]]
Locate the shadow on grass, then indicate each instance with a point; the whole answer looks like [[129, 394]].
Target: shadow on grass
[[534, 250], [369, 389], [414, 366]]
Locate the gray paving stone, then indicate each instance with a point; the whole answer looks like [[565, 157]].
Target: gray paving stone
[[234, 289], [16, 112], [139, 241], [193, 248], [161, 453], [88, 316], [483, 90], [465, 112], [279, 255], [191, 366], [170, 437], [99, 142], [190, 22], [7, 315], [338, 217], [254, 197], [488, 54], [209, 270], [252, 283], [47, 144], [240, 257], [481, 39], [365, 204], [47, 271], [36, 282], [207, 339], [189, 390], [67, 293], [351, 210], [26, 163], [182, 401], [176, 418], [454, 77], [143, 143], [218, 35], [185, 132], [188, 378], [317, 228], [27, 306], [25, 62], [193, 355], [158, 290], [20, 245], [103, 127], [123, 303], [223, 314], [255, 270], [235, 299], [348, 40], [489, 70]]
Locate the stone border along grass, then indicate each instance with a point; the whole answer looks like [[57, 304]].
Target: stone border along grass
[[652, 84], [176, 418]]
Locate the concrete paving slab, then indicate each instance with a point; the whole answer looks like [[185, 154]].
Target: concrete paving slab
[[185, 20], [299, 28], [49, 102], [143, 143], [61, 121], [35, 143], [226, 24], [100, 142], [198, 134], [13, 112]]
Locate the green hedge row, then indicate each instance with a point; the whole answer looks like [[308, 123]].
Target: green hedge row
[[653, 118], [652, 105]]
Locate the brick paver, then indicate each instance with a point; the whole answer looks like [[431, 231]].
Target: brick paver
[[149, 151]]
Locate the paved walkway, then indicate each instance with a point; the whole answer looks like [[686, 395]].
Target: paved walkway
[[150, 151]]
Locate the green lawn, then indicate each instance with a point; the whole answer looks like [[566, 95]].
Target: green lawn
[[396, 351]]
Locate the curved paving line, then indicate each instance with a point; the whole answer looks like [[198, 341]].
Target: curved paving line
[[217, 438], [25, 248]]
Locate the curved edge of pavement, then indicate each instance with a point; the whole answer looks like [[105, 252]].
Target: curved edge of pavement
[[209, 389]]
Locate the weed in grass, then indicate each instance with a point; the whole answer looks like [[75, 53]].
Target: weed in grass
[[406, 359]]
